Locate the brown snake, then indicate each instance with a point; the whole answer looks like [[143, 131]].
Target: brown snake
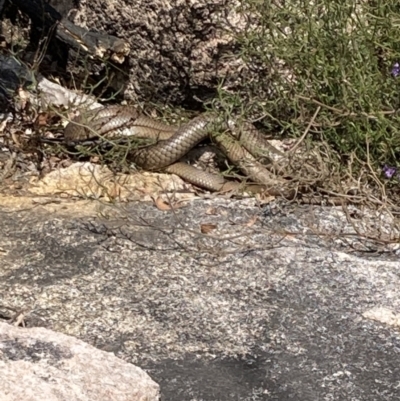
[[243, 147]]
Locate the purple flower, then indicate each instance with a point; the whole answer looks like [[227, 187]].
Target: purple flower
[[389, 171], [396, 70]]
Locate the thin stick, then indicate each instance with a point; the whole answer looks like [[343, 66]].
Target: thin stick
[[297, 144]]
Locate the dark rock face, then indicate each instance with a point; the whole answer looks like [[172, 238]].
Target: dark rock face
[[180, 50]]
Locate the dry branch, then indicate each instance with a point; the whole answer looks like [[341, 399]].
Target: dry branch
[[47, 19]]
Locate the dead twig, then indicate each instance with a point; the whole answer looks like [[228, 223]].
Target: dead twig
[[297, 144]]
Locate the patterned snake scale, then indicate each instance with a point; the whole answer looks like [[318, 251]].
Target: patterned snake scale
[[243, 147]]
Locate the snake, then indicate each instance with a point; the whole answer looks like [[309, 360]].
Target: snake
[[243, 145]]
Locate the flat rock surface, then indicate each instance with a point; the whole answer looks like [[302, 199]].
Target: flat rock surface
[[217, 300]]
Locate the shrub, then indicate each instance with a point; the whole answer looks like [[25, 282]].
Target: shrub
[[337, 57]]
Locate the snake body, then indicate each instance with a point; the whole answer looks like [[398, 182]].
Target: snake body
[[244, 146]]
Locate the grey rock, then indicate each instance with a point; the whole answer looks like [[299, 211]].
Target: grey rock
[[39, 364], [278, 302]]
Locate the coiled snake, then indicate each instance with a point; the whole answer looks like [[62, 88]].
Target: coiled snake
[[243, 146]]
